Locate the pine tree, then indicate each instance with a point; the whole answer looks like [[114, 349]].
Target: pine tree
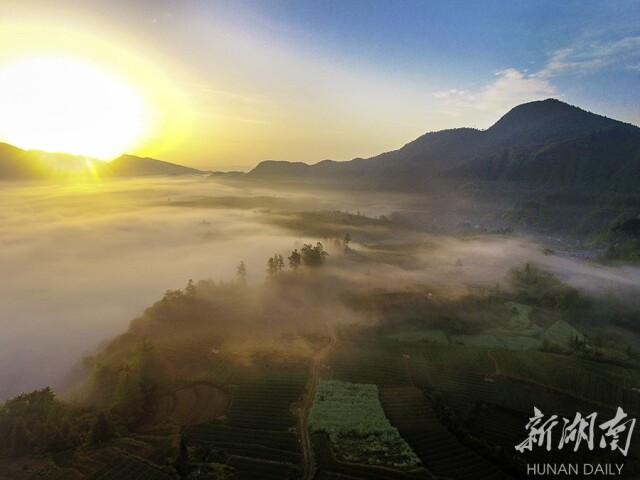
[[241, 273]]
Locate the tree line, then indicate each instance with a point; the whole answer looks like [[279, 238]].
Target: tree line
[[309, 256]]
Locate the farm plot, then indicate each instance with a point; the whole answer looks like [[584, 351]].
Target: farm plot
[[259, 428], [430, 363], [120, 465], [353, 418], [251, 469], [440, 451], [604, 384], [263, 444], [515, 380], [367, 361], [265, 405], [512, 383], [329, 467]]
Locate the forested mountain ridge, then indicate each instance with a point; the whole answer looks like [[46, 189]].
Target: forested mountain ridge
[[541, 143]]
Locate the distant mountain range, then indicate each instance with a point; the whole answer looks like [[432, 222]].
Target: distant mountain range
[[18, 164], [545, 143]]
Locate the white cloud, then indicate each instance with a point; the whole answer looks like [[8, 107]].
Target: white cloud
[[510, 88], [513, 87], [588, 58]]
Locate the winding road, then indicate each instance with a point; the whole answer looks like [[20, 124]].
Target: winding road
[[307, 453]]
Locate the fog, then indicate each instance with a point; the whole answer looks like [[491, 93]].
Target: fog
[[79, 262]]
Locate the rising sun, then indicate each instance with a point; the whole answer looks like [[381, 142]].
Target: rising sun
[[65, 104]]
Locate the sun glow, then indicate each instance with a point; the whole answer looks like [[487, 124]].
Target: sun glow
[[80, 86], [64, 104]]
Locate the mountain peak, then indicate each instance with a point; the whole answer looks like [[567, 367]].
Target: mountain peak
[[547, 121], [131, 165]]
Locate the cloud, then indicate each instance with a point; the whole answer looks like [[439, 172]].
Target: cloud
[[511, 87], [81, 262], [588, 58]]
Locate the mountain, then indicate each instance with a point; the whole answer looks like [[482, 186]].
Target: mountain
[[18, 164], [540, 143], [15, 164], [132, 166]]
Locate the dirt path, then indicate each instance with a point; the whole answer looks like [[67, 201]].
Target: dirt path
[[496, 367], [307, 454]]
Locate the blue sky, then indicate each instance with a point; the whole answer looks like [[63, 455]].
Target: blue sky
[[589, 50], [308, 80]]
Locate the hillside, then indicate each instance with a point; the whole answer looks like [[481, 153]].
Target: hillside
[[130, 165], [539, 143], [292, 378], [18, 164]]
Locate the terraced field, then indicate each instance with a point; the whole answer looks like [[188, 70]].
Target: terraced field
[[120, 465], [139, 457], [385, 363], [493, 391], [367, 360], [258, 431], [440, 451], [599, 383]]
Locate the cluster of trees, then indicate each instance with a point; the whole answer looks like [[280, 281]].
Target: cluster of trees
[[125, 381], [275, 265], [309, 255], [537, 287], [624, 241], [37, 422], [313, 256], [340, 242]]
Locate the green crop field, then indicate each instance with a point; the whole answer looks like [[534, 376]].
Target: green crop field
[[353, 418]]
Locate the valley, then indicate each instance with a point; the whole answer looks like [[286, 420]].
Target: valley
[[323, 332]]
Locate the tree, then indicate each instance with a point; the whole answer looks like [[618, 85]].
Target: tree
[[190, 289], [295, 259], [279, 262], [182, 464], [275, 265], [272, 269], [172, 296], [101, 430], [346, 240], [313, 256], [131, 396], [241, 273], [19, 438]]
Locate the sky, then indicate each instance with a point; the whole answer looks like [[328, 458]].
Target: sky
[[226, 84]]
